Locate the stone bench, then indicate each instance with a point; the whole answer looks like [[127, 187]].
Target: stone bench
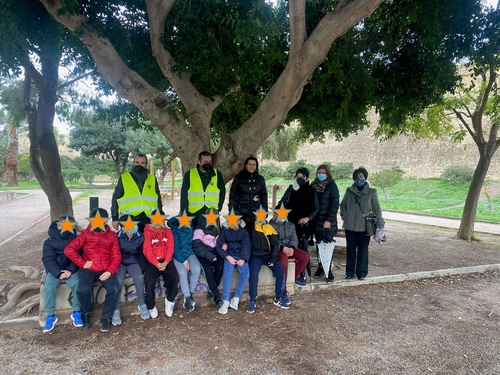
[[129, 294], [7, 196]]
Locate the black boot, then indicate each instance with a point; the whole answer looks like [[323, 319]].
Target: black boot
[[217, 297], [330, 277], [86, 317], [319, 272]]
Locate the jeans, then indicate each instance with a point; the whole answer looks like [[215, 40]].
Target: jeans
[[87, 279], [301, 259], [356, 253], [213, 273], [227, 278], [135, 272], [278, 272], [188, 280], [170, 280], [50, 290]]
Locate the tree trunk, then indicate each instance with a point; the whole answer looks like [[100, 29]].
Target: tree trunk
[[466, 229], [44, 154], [10, 159]]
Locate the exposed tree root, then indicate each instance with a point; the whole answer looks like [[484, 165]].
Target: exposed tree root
[[30, 272], [25, 306], [15, 294]]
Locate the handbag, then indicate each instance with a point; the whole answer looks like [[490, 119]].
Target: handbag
[[370, 220]]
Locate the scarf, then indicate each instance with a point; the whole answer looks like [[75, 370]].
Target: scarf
[[319, 186]]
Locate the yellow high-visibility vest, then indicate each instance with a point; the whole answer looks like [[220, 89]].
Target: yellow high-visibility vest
[[133, 202], [197, 198]]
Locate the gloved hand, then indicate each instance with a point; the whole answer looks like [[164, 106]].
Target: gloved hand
[[380, 236]]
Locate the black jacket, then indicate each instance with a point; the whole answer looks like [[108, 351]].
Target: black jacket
[[265, 246], [303, 202], [244, 187], [328, 206], [130, 248], [53, 257]]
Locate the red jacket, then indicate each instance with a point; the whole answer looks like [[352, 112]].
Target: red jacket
[[101, 248], [158, 244]]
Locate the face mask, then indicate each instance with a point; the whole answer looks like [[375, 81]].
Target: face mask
[[359, 182], [301, 181], [136, 228], [321, 176], [139, 169], [206, 167]]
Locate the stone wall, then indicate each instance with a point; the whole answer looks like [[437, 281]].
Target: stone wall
[[419, 159]]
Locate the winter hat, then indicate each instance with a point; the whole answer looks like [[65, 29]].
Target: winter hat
[[304, 172], [358, 171]]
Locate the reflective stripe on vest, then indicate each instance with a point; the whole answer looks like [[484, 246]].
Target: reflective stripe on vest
[[132, 202], [197, 198]]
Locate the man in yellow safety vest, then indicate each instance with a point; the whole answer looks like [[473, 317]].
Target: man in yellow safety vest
[[136, 193], [202, 188]]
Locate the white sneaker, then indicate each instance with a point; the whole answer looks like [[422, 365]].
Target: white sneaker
[[116, 320], [235, 301], [153, 313], [169, 308], [223, 309]]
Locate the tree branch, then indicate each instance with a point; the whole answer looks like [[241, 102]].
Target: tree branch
[[466, 125], [69, 83], [297, 16]]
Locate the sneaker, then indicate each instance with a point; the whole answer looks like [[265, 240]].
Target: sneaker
[[218, 301], [224, 308], [153, 313], [116, 320], [319, 272], [169, 308], [251, 307], [300, 283], [87, 319], [104, 325], [50, 322], [189, 304], [279, 302], [285, 300], [76, 317], [235, 301], [144, 311], [210, 296]]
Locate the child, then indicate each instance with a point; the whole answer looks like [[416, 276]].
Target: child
[[185, 261], [100, 259], [265, 249], [204, 242], [58, 267], [130, 246], [233, 245], [158, 250]]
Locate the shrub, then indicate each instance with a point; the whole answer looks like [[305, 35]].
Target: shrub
[[458, 174], [387, 178], [342, 170], [271, 170], [71, 175], [292, 168]]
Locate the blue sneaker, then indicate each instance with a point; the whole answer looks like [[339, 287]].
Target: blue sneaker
[[285, 300], [50, 322], [251, 307], [300, 283], [279, 302], [76, 317]]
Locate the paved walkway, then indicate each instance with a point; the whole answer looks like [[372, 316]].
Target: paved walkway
[[29, 210]]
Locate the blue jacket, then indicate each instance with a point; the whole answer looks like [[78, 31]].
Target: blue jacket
[[53, 257], [130, 247], [238, 242], [183, 240]]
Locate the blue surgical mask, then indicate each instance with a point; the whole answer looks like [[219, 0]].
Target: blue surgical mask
[[321, 176], [359, 182]]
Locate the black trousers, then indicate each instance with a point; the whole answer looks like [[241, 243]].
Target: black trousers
[[213, 273], [170, 280], [357, 253], [86, 280]]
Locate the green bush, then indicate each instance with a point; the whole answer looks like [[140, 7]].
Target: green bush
[[387, 178], [71, 175], [342, 170], [271, 170], [458, 174], [292, 168]]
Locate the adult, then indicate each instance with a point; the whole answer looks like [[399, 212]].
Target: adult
[[136, 194], [248, 192], [359, 199], [325, 223], [302, 200], [202, 188]]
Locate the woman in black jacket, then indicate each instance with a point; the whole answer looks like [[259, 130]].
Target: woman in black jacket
[[248, 192], [325, 223]]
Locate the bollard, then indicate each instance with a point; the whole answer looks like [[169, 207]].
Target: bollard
[[93, 203]]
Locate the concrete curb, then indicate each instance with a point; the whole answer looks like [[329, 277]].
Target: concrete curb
[[33, 322]]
